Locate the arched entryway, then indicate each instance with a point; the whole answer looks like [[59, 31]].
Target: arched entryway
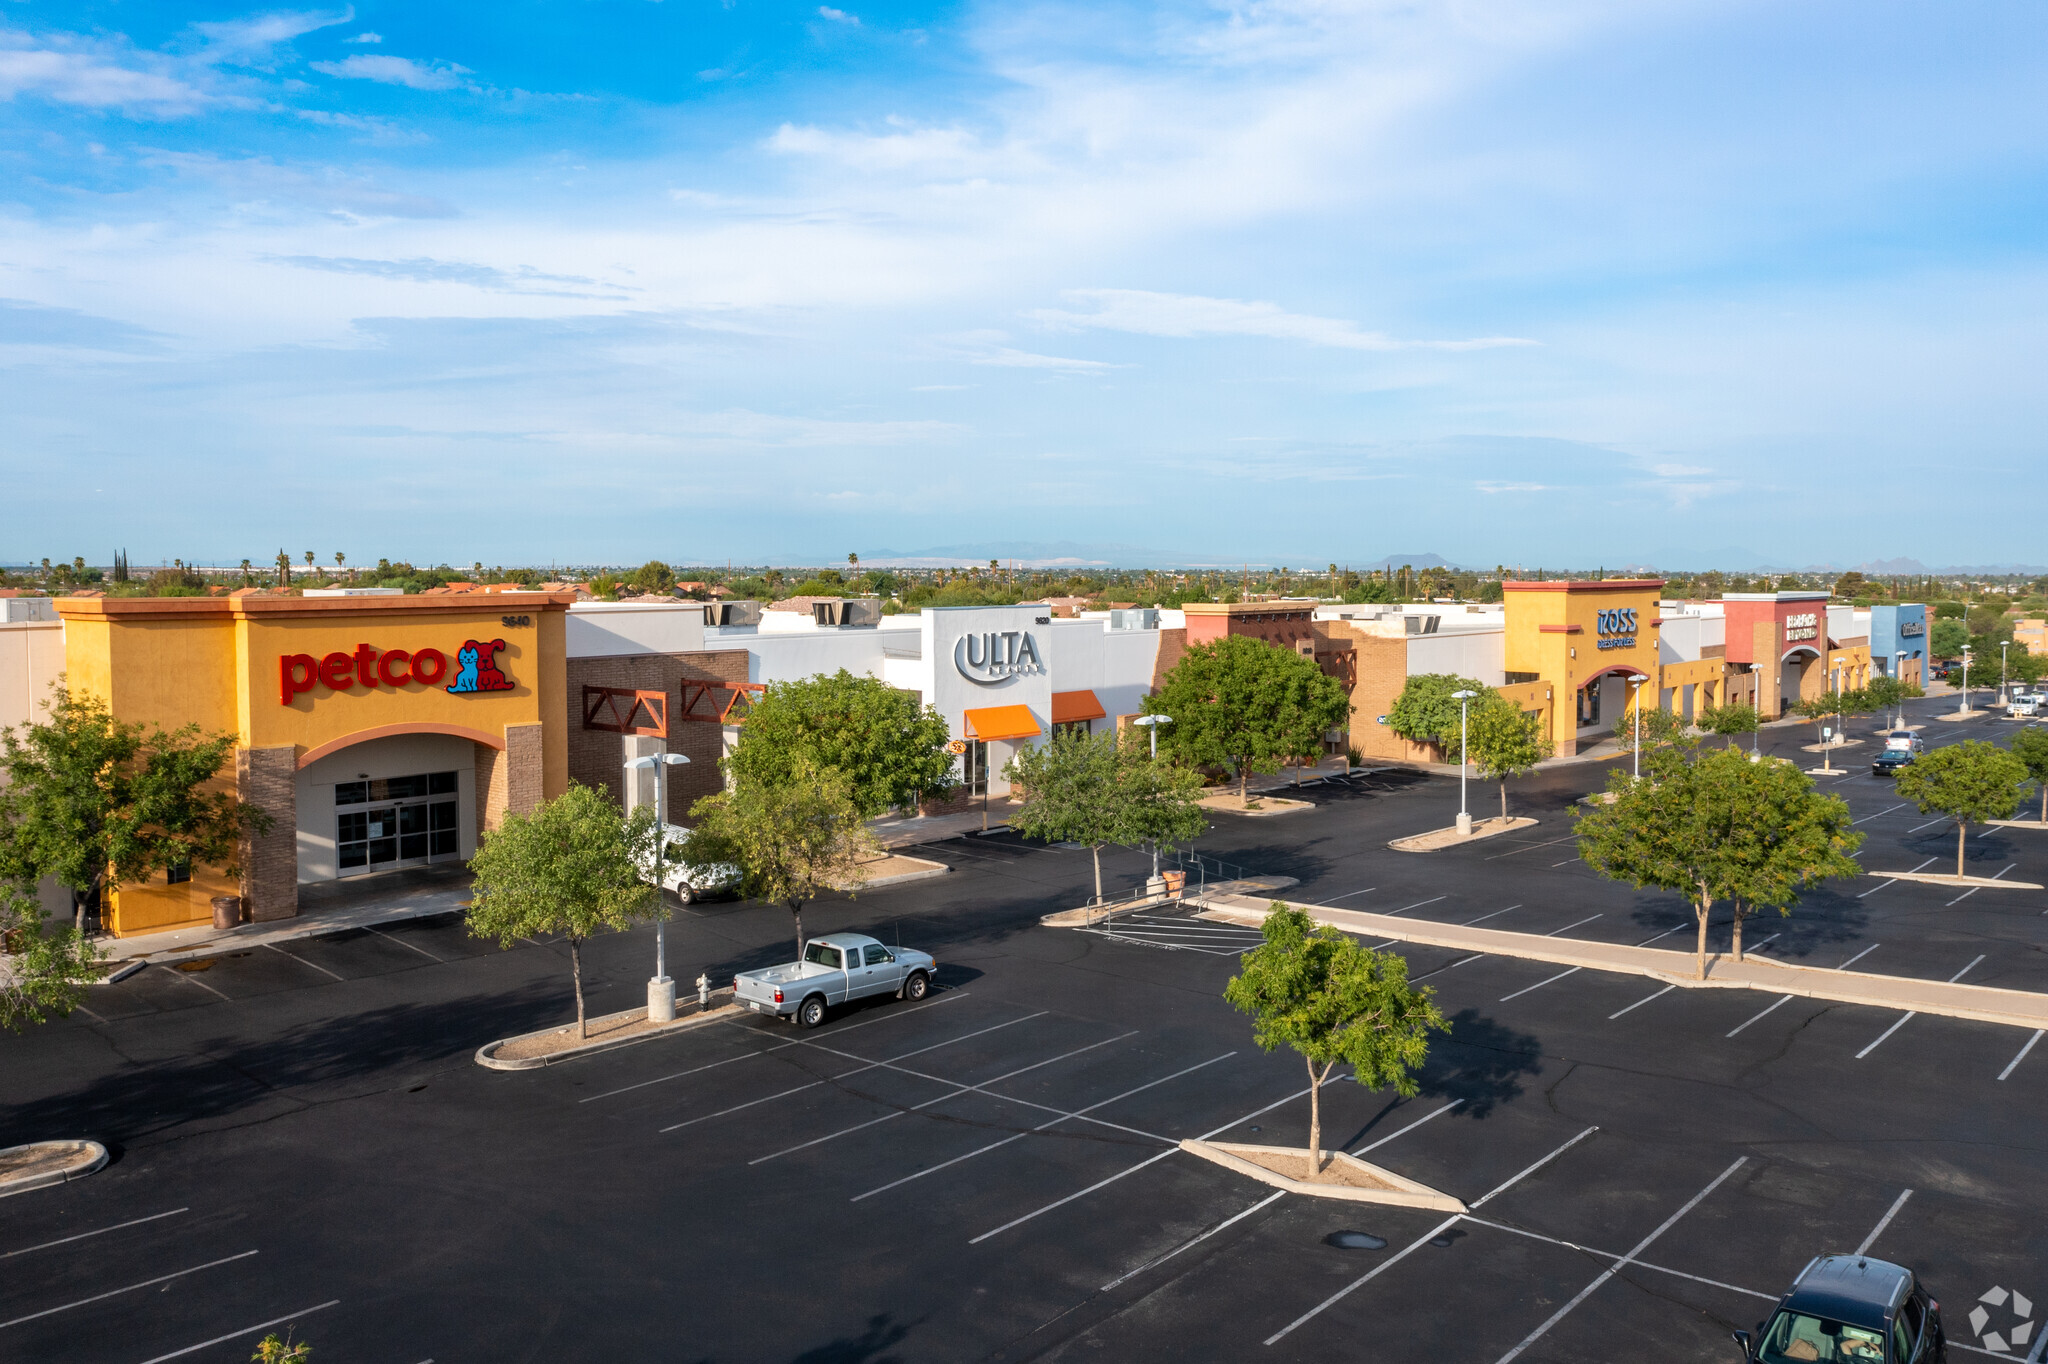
[[1800, 675], [399, 797], [1604, 696]]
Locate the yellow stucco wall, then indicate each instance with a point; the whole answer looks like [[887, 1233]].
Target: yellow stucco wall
[[1567, 653]]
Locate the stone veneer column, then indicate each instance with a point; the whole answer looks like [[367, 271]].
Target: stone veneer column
[[525, 773], [266, 779]]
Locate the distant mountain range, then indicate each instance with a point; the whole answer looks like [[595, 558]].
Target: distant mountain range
[[1071, 554]]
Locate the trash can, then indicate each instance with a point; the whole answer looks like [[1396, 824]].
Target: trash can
[[227, 911], [1176, 882]]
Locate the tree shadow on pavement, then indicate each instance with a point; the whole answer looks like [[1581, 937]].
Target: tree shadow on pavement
[[1480, 1061], [883, 1333]]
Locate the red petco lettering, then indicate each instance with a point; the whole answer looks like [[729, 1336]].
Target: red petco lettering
[[299, 673]]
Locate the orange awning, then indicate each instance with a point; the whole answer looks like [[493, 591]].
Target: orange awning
[[1069, 706], [1001, 722]]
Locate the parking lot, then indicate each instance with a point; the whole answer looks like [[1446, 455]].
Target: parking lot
[[993, 1174]]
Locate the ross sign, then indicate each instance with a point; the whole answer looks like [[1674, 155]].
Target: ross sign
[[1806, 625], [476, 670], [1617, 628], [995, 657]]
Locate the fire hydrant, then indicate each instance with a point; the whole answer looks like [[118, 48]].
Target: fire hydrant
[[704, 991]]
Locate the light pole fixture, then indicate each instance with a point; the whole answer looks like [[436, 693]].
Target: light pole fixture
[[1157, 885], [1899, 676], [1635, 682], [2003, 645], [1464, 700], [661, 991], [1966, 683]]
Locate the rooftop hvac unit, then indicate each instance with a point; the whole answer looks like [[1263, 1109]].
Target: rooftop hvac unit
[[720, 613], [1144, 618], [17, 609], [1423, 625], [848, 611]]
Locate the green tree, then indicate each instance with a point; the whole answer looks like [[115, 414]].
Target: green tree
[[1948, 638], [889, 746], [652, 576], [1658, 727], [1244, 704], [1731, 720], [1333, 999], [279, 1349], [1785, 836], [1088, 788], [98, 803], [571, 867], [1426, 712], [43, 970], [1686, 826], [1970, 782], [2030, 746], [792, 837], [1506, 742]]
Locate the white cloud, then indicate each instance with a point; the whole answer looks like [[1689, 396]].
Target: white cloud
[[838, 16], [1190, 315], [1492, 487], [252, 41], [365, 38], [84, 79], [1020, 359], [923, 148], [396, 71]]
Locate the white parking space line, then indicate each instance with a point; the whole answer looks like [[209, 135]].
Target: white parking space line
[[1884, 1221], [248, 1331], [1540, 984], [871, 1065], [1419, 1242], [1903, 1021], [1438, 1113], [1665, 934], [958, 1090], [1887, 810], [402, 942], [1418, 904], [2014, 1063], [117, 1292], [188, 975], [1782, 999], [1495, 915], [67, 1240], [1265, 1202], [780, 1046], [1974, 889], [1452, 967], [1530, 846], [1569, 927], [1059, 1117], [1928, 825], [1641, 1002], [303, 962], [1967, 969], [1617, 1256], [1761, 943], [1859, 956], [1566, 863], [1333, 900], [1133, 1169], [1623, 1263]]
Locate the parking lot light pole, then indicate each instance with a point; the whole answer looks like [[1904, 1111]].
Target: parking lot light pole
[[1157, 885], [2003, 698], [1635, 682], [1966, 683], [1899, 676], [661, 991], [1464, 700]]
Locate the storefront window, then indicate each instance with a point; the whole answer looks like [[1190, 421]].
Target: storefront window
[[402, 822], [1080, 727], [975, 762]]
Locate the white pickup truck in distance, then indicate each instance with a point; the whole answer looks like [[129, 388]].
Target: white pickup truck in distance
[[835, 968]]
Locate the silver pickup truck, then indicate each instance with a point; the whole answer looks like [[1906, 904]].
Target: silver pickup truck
[[835, 968]]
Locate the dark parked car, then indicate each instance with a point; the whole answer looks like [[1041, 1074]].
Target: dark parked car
[[1850, 1309], [1888, 762]]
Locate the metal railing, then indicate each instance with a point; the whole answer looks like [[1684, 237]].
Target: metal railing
[[1187, 876]]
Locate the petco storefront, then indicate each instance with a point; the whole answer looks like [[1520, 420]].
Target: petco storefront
[[376, 732]]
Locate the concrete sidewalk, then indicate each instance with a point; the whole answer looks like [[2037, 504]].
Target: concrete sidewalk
[[326, 907], [2018, 1008]]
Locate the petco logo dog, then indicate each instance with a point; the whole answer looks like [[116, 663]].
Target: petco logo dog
[[476, 670]]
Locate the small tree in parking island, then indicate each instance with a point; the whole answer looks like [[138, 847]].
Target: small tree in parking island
[[43, 970], [1506, 742], [1089, 788], [889, 746], [1331, 998], [792, 838], [1426, 712], [2030, 746], [1970, 782], [1731, 720], [571, 867], [1245, 704], [1700, 824], [1657, 726]]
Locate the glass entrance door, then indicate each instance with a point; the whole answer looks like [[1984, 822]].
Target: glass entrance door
[[396, 822]]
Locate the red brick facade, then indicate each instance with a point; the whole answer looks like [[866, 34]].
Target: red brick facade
[[597, 757]]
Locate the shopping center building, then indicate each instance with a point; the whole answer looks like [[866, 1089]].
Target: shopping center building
[[380, 731]]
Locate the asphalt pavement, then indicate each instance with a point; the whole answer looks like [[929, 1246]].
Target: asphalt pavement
[[300, 1135]]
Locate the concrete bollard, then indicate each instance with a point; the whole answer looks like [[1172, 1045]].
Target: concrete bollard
[[661, 1000]]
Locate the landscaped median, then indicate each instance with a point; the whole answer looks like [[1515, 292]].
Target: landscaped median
[[1344, 1176], [531, 1051], [1984, 1003], [1087, 916], [1447, 837], [43, 1163]]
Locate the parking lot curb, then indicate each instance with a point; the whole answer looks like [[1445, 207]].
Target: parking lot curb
[[486, 1054], [40, 1164], [1406, 1193], [1946, 879], [1982, 1003]]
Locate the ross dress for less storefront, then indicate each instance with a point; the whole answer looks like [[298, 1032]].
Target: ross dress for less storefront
[[377, 732]]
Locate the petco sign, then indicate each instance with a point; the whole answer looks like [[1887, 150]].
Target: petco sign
[[476, 670], [1803, 626], [994, 657], [1617, 628]]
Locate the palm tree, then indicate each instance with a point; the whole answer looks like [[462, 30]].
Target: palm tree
[[247, 576], [284, 569], [339, 560]]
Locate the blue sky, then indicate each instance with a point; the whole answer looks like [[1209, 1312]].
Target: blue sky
[[1580, 283]]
